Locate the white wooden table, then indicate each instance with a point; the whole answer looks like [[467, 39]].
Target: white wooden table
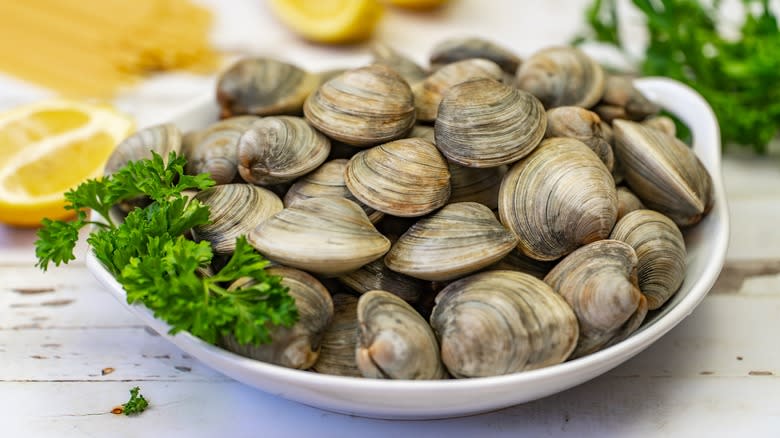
[[69, 352]]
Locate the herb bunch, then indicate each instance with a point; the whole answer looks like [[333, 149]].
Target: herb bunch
[[158, 267], [738, 78]]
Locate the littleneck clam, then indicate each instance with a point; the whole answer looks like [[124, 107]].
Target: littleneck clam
[[276, 150], [337, 351], [585, 126], [326, 182], [161, 139], [663, 172], [475, 184], [621, 100], [329, 236], [660, 249], [484, 123], [661, 123], [517, 261], [599, 281], [298, 346], [362, 107], [457, 240], [561, 76], [429, 93], [376, 275], [500, 322], [235, 210], [558, 198], [214, 150], [408, 69], [264, 86], [458, 49], [407, 177], [627, 201], [394, 341]]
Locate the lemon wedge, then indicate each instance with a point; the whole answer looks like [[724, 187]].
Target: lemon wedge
[[49, 147], [417, 4], [329, 21]]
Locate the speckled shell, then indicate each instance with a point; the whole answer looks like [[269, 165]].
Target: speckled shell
[[458, 49], [329, 236], [279, 149], [235, 210], [264, 86], [214, 150], [663, 172], [327, 181], [429, 93], [298, 346], [585, 126], [599, 281], [407, 177], [376, 275], [483, 123], [627, 201], [473, 184], [394, 341], [363, 107], [162, 139], [500, 322], [660, 249], [561, 76], [337, 352], [408, 69], [558, 198], [457, 240], [621, 100]]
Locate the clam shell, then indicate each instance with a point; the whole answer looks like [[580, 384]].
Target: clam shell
[[279, 149], [424, 132], [474, 184], [362, 107], [407, 177], [501, 322], [429, 93], [517, 261], [627, 202], [621, 100], [264, 86], [583, 125], [660, 249], [329, 236], [376, 275], [337, 351], [408, 69], [327, 181], [298, 346], [457, 240], [599, 281], [483, 123], [662, 123], [458, 49], [215, 149], [162, 139], [394, 341], [663, 172], [558, 198], [561, 76], [234, 210]]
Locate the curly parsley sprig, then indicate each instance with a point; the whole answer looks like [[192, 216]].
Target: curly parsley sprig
[[158, 267]]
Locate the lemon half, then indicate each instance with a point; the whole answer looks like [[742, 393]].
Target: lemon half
[[329, 21]]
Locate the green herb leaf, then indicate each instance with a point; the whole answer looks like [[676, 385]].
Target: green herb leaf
[[136, 404]]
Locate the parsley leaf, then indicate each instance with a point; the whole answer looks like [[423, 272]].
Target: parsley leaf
[[136, 404]]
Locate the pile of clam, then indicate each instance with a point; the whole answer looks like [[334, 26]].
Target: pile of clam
[[457, 221]]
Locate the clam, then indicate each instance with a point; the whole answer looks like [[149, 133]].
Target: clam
[[599, 281], [429, 93], [561, 76], [161, 139], [279, 149], [329, 236], [264, 86], [558, 198], [458, 49], [483, 123], [517, 261], [407, 177], [500, 322], [214, 149], [376, 275], [424, 132], [627, 201], [394, 341], [661, 123], [660, 249], [621, 100], [234, 210], [362, 107], [408, 69], [337, 352], [299, 345], [457, 240], [585, 126], [327, 181], [475, 184], [663, 172]]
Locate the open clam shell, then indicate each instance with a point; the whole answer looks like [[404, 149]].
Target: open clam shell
[[458, 49], [214, 150], [585, 126], [339, 341], [561, 76], [501, 322], [558, 198]]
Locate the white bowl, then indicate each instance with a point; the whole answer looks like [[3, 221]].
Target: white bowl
[[447, 398]]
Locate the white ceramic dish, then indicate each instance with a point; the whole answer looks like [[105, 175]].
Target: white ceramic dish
[[436, 399]]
